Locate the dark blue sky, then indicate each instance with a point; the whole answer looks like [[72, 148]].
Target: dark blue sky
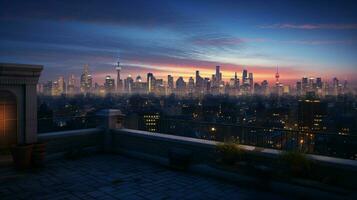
[[317, 38]]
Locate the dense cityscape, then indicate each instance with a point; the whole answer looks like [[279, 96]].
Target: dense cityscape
[[195, 86], [314, 116]]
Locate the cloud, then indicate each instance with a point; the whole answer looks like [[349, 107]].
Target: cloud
[[311, 26], [321, 42], [221, 40], [215, 40], [123, 12]]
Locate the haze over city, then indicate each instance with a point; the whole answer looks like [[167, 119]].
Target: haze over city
[[312, 38]]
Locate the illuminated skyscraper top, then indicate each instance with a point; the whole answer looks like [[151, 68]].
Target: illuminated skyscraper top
[[277, 76]]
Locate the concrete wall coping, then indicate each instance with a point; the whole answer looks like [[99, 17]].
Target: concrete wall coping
[[167, 137], [59, 134]]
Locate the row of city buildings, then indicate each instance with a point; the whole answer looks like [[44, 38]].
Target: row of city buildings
[[196, 85]]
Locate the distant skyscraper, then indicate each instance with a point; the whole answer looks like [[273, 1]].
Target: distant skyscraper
[[128, 84], [298, 88], [335, 86], [236, 81], [139, 86], [218, 76], [61, 85], [311, 113], [109, 84], [72, 80], [86, 80], [345, 86], [159, 87], [151, 82], [311, 84], [251, 81], [244, 76], [138, 79], [199, 83], [265, 87], [55, 89], [319, 82], [119, 87], [71, 84], [170, 82], [191, 85], [39, 88], [47, 88], [304, 85], [277, 76], [180, 86]]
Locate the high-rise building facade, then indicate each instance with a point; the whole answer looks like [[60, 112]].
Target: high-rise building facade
[[150, 83], [71, 86], [180, 86], [86, 80], [119, 87], [109, 84], [128, 84]]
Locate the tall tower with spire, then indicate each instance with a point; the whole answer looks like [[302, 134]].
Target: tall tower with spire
[[119, 81], [277, 76]]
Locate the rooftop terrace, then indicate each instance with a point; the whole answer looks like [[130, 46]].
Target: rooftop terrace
[[117, 177]]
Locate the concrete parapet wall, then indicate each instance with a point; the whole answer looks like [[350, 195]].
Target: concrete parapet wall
[[159, 145], [202, 150], [64, 141]]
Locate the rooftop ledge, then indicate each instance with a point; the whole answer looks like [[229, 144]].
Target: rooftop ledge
[[266, 151], [184, 142]]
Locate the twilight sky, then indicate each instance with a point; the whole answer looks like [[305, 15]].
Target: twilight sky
[[312, 38]]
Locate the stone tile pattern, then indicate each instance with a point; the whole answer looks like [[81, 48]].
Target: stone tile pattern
[[117, 177]]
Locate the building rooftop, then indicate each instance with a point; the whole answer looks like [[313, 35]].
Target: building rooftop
[[117, 177]]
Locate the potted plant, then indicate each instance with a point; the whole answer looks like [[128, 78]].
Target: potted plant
[[21, 155]]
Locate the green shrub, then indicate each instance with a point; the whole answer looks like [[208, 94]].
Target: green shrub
[[230, 153], [297, 163]]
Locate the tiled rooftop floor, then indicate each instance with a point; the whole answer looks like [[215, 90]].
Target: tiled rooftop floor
[[118, 177]]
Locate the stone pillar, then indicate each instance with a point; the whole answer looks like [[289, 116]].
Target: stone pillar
[[30, 113], [21, 80], [109, 119]]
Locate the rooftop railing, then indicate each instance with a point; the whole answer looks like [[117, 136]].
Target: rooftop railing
[[313, 142]]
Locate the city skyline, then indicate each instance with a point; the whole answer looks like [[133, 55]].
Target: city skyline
[[178, 37], [196, 85]]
